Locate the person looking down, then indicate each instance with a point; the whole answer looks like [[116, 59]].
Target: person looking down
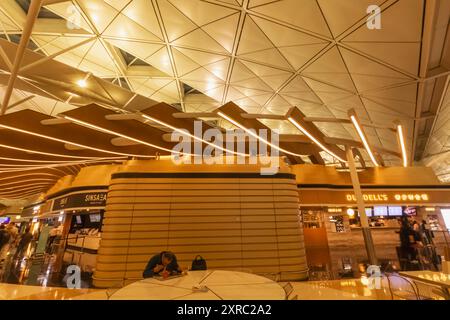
[[163, 264]]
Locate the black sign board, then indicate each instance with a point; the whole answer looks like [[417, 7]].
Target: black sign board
[[80, 200]]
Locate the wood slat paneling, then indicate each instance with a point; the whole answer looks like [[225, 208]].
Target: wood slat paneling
[[234, 223]]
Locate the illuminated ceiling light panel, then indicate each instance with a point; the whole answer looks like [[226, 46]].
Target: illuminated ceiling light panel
[[311, 137], [92, 126], [364, 140], [54, 154], [401, 139], [193, 136], [237, 124], [73, 143]]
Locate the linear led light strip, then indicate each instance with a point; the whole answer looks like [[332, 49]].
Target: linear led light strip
[[193, 136], [401, 137], [92, 126], [30, 160], [72, 143], [237, 124], [4, 169], [55, 154], [364, 140], [310, 136]]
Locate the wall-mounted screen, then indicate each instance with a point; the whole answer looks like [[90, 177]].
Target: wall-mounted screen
[[368, 212], [95, 217], [395, 211], [78, 220], [380, 211]]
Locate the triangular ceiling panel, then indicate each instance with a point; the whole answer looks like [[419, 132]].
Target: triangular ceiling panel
[[368, 74], [201, 12], [175, 22], [298, 56], [219, 68], [161, 61], [401, 55], [331, 69], [98, 13], [297, 88], [326, 92], [271, 57], [72, 14], [141, 50], [199, 39], [253, 39], [282, 36], [201, 57], [305, 14], [400, 22], [224, 31], [142, 12], [183, 64], [124, 28], [353, 11]]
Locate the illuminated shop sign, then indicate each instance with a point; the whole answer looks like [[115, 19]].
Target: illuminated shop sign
[[383, 197], [369, 197], [80, 200], [411, 197]]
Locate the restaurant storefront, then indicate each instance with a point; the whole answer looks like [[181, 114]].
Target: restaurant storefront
[[331, 221]]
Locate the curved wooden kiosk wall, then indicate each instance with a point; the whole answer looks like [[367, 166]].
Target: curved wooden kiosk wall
[[235, 219]]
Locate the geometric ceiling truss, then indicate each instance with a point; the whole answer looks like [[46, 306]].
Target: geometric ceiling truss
[[264, 56]]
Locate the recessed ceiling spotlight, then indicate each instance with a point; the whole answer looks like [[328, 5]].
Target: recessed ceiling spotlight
[[82, 83]]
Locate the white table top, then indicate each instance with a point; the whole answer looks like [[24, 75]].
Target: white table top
[[222, 285], [432, 277]]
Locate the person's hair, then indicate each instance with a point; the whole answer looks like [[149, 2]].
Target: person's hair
[[27, 229], [2, 226], [168, 255], [424, 222]]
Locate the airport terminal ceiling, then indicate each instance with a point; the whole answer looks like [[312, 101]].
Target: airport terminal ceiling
[[264, 56]]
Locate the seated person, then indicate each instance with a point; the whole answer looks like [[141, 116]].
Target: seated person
[[164, 262]]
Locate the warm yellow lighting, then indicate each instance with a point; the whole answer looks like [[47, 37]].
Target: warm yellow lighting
[[430, 209], [82, 83], [18, 217], [72, 143], [310, 136], [164, 124], [53, 154], [92, 126], [401, 138], [350, 212], [254, 135], [364, 140]]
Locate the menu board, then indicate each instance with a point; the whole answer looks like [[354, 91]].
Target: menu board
[[380, 211], [368, 212], [395, 211]]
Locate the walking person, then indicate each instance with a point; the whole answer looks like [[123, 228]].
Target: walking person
[[23, 243]]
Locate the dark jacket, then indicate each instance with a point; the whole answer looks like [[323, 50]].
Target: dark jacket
[[157, 259], [4, 237], [25, 240]]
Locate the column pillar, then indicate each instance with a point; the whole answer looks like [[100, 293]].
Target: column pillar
[[368, 241]]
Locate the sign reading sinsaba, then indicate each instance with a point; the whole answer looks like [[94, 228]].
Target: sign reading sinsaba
[[80, 200]]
